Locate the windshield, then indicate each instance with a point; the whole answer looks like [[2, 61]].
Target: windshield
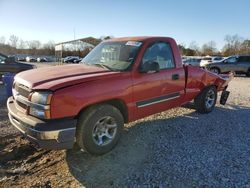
[[116, 56]]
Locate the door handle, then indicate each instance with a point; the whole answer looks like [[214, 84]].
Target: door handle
[[175, 77]]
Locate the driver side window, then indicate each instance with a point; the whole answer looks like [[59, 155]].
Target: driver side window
[[161, 53]]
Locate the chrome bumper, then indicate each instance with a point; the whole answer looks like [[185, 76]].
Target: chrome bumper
[[52, 134]]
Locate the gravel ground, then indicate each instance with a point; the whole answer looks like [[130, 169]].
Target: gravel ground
[[176, 148]]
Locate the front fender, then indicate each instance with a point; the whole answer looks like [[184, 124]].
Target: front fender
[[69, 101]]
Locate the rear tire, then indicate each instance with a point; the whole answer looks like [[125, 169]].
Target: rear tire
[[206, 100], [99, 128], [215, 70]]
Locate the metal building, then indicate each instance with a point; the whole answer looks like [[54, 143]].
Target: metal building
[[78, 47]]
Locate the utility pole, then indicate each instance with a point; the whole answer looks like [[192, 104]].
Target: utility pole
[[75, 39], [74, 34]]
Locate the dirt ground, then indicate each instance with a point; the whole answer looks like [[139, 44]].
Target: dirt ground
[[140, 148]]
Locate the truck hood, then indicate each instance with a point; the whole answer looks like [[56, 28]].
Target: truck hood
[[52, 78]]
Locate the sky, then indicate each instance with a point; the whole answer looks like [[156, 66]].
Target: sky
[[184, 20]]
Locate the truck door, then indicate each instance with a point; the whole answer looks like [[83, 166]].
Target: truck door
[[173, 83], [157, 91]]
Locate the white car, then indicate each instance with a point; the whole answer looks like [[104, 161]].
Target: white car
[[193, 61], [42, 59], [208, 60], [205, 61], [30, 59]]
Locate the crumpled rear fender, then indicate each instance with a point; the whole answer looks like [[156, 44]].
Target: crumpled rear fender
[[198, 78]]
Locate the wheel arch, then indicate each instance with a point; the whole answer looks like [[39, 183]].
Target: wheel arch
[[209, 85], [118, 103]]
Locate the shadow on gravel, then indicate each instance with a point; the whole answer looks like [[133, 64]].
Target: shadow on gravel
[[187, 150]]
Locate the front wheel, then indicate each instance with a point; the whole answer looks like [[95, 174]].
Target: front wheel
[[206, 100], [99, 128]]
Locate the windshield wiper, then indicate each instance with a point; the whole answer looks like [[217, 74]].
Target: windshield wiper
[[105, 66], [83, 62]]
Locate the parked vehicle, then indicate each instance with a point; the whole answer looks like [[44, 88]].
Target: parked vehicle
[[21, 59], [217, 59], [208, 60], [77, 60], [70, 59], [184, 58], [237, 64], [42, 59], [205, 61], [9, 65], [119, 81], [30, 59], [193, 61], [3, 58]]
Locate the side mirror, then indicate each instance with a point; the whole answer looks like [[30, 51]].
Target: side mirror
[[10, 59], [149, 66]]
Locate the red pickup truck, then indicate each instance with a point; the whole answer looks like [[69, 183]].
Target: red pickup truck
[[119, 81]]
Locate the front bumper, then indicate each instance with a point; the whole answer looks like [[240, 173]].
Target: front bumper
[[51, 134]]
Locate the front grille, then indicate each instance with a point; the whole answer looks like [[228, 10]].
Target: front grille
[[22, 90], [21, 105]]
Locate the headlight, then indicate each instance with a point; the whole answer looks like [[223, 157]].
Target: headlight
[[40, 104], [41, 98], [44, 114]]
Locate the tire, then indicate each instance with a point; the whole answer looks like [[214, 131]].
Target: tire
[[99, 128], [215, 70], [206, 100]]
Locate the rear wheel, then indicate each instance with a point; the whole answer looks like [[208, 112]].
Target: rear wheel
[[99, 129], [215, 70], [206, 100]]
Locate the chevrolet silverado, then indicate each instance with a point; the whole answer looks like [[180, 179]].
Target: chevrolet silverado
[[119, 81]]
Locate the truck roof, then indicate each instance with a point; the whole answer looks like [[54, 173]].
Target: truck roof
[[137, 38]]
